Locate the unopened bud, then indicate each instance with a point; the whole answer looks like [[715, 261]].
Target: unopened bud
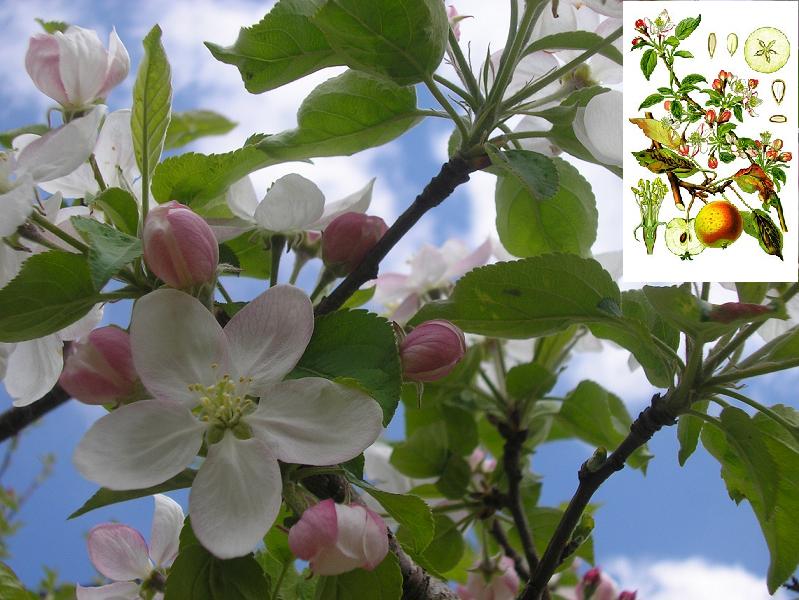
[[752, 84], [734, 311], [348, 239], [777, 144], [786, 157], [712, 162], [626, 595], [431, 351], [99, 369], [179, 246], [725, 116]]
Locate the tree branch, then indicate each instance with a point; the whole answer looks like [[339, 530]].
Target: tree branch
[[16, 419], [452, 174], [417, 584], [502, 539], [651, 420]]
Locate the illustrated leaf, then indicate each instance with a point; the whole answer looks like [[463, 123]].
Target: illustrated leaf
[[356, 344], [663, 160], [383, 583], [651, 100], [106, 497], [575, 40], [687, 26], [120, 207], [693, 78], [152, 103], [658, 132], [529, 224], [283, 47], [185, 127], [52, 290], [110, 249], [649, 60], [403, 40]]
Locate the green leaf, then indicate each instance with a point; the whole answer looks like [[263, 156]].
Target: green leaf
[[358, 345], [185, 127], [676, 109], [106, 497], [342, 116], [409, 511], [683, 54], [529, 381], [455, 479], [282, 47], [529, 224], [536, 172], [199, 575], [360, 297], [52, 290], [424, 453], [574, 40], [446, 549], [383, 583], [651, 100], [528, 298], [687, 26], [152, 103], [52, 26], [248, 252], [109, 250], [760, 463], [693, 78], [403, 40], [649, 61], [689, 428], [600, 418], [120, 207], [11, 588], [753, 293], [7, 137]]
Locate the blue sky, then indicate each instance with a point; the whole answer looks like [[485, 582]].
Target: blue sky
[[648, 528]]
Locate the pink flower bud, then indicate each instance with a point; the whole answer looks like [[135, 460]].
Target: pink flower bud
[[786, 157], [626, 595], [777, 144], [502, 584], [596, 586], [335, 538], [712, 162], [431, 350], [724, 116], [717, 85], [99, 369], [74, 68], [732, 311], [348, 239], [179, 246], [454, 21], [710, 116]]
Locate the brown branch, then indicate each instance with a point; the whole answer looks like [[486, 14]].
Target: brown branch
[[502, 539], [16, 419], [452, 174], [650, 421], [417, 584]]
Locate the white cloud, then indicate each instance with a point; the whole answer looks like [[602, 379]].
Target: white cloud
[[693, 578]]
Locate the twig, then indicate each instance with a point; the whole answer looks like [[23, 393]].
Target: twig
[[499, 534], [16, 419], [417, 584]]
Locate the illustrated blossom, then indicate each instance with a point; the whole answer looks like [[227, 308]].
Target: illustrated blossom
[[336, 538], [120, 553], [74, 68], [224, 387]]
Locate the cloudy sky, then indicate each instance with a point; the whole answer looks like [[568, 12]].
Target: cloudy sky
[[673, 535]]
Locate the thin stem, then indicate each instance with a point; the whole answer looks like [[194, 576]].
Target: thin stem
[[509, 136], [454, 87], [223, 291], [42, 222], [325, 279], [278, 243], [98, 176], [705, 290], [463, 67], [445, 104], [502, 539], [279, 582], [736, 374], [703, 416], [440, 114], [299, 263], [494, 391]]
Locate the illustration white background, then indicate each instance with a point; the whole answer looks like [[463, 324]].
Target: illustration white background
[[744, 260]]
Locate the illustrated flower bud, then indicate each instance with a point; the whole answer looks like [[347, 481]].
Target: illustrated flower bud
[[733, 311], [777, 144], [667, 105], [752, 84], [684, 149], [640, 25], [99, 368], [431, 350], [348, 239], [501, 584], [717, 85], [724, 116], [596, 586], [786, 156], [335, 538], [712, 162], [638, 41], [724, 76], [179, 246], [626, 595], [771, 154], [710, 116], [74, 68]]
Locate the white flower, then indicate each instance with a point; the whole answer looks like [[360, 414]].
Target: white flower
[[120, 553], [431, 269], [205, 381], [292, 205], [598, 127]]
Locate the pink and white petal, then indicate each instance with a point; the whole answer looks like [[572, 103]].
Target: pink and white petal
[[391, 287], [603, 69], [118, 64], [314, 421], [74, 185], [175, 341], [429, 266], [33, 369], [475, 259], [293, 203], [406, 309], [351, 530], [356, 202], [16, 205], [542, 145], [119, 552], [533, 67], [114, 150], [375, 540], [139, 445], [61, 151], [268, 336], [83, 64], [549, 24], [227, 229], [83, 326], [235, 497], [609, 8], [598, 127], [241, 199], [317, 528], [41, 62], [165, 536], [120, 590]]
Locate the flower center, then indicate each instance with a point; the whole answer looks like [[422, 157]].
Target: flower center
[[224, 404]]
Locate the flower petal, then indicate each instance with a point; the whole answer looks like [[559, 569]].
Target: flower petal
[[41, 62], [598, 127], [175, 341], [474, 259], [121, 590], [139, 445], [268, 336], [16, 205], [235, 497], [293, 203], [314, 421], [165, 536], [83, 326], [375, 540], [356, 202], [33, 369], [83, 65], [117, 66], [317, 528], [119, 552], [241, 199], [530, 68]]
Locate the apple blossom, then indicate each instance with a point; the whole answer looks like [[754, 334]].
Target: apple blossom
[[596, 585], [120, 553], [627, 595], [179, 246], [348, 239], [500, 582], [74, 68], [598, 127], [336, 538], [431, 350], [431, 269], [99, 368], [206, 382]]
